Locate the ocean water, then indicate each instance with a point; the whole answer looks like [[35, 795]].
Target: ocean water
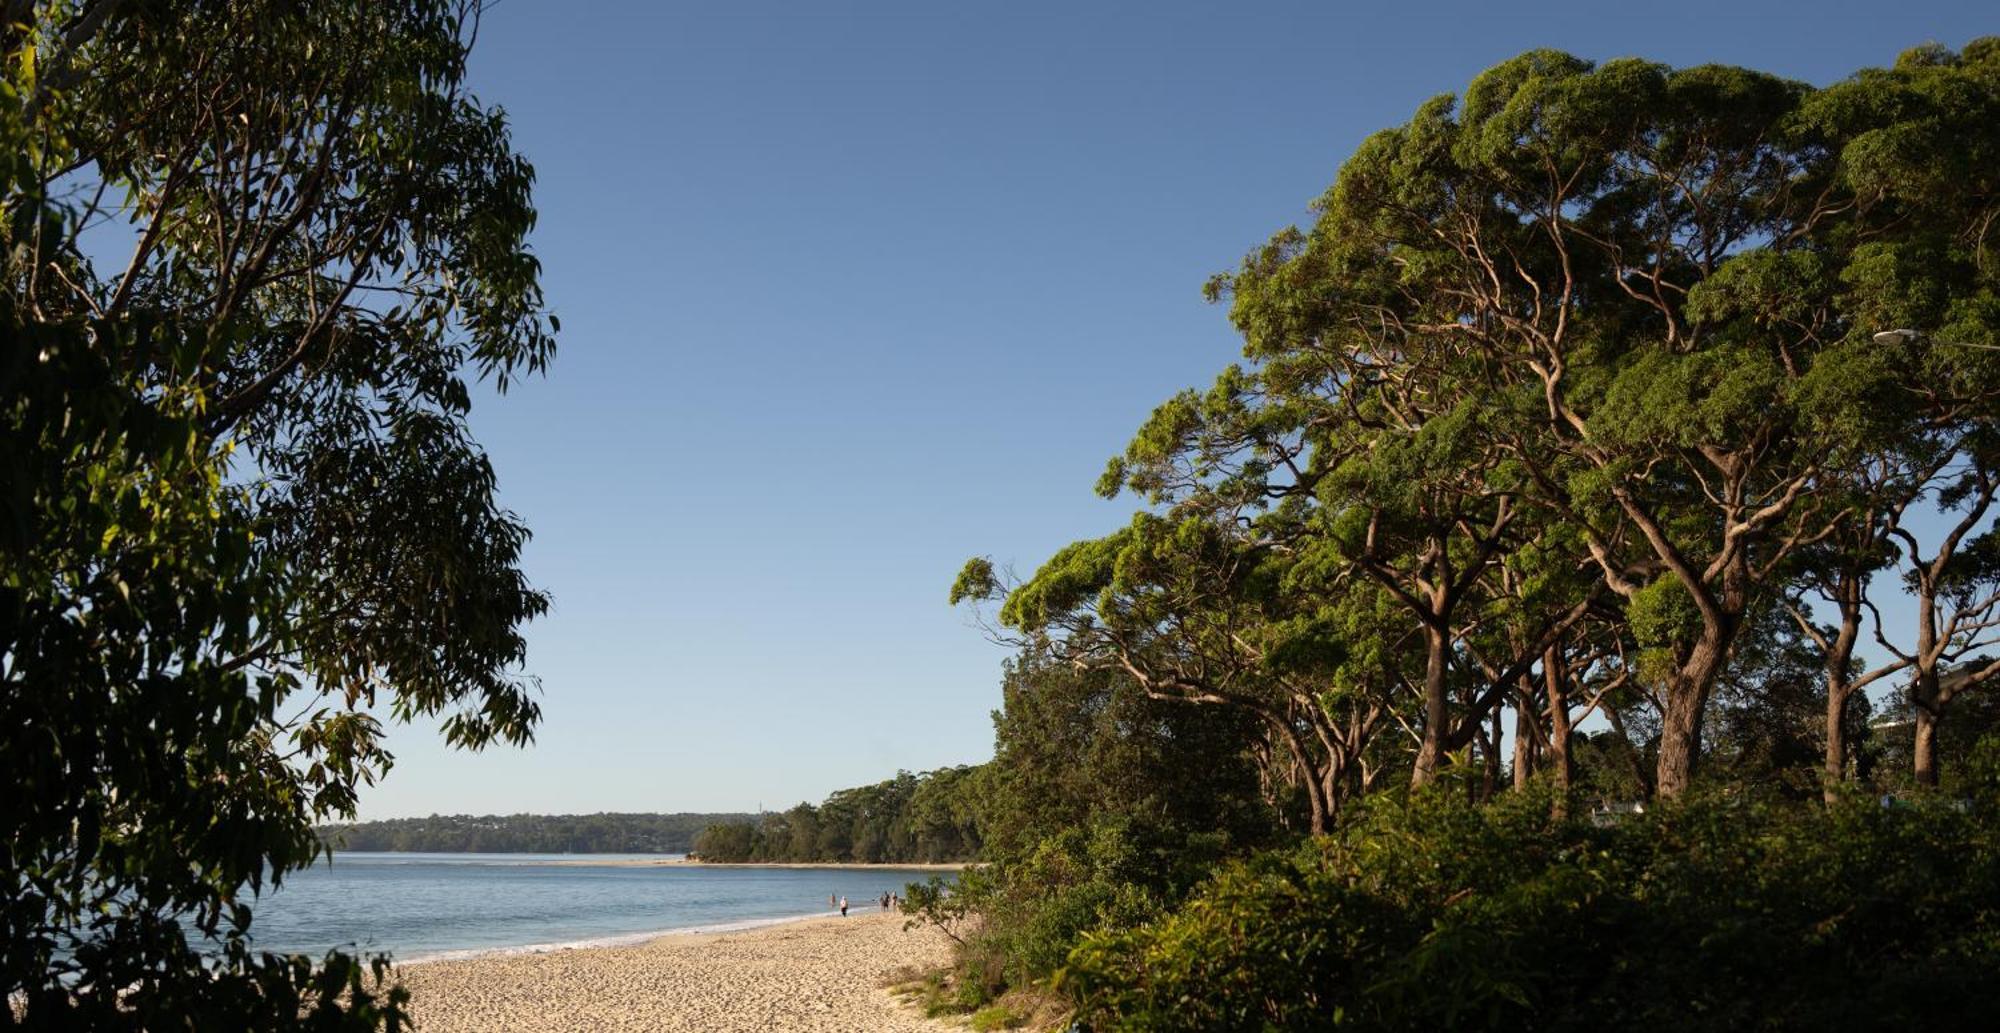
[[427, 906]]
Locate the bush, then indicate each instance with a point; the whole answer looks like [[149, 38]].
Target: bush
[[1017, 921], [1720, 913]]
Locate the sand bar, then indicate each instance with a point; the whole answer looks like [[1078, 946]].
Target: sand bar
[[819, 974]]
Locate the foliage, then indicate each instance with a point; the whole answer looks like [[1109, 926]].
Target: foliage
[[926, 818], [1036, 909], [528, 833], [1100, 808], [1572, 384], [1571, 411], [1075, 748], [1724, 912], [951, 907], [241, 502]]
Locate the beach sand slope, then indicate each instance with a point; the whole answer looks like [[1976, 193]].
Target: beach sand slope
[[818, 974]]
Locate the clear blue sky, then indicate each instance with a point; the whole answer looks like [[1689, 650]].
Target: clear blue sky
[[852, 292]]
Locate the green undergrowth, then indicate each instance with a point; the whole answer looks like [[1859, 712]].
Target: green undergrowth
[[1726, 911], [1017, 921]]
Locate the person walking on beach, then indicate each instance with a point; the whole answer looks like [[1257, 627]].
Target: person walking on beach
[[832, 901], [843, 907]]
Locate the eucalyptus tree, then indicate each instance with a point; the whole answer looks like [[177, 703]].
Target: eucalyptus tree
[[1940, 467], [1920, 158], [1414, 506], [1365, 466], [1838, 572], [1660, 268], [254, 253], [1077, 747], [1558, 224], [1193, 612], [1584, 673], [1549, 600], [1956, 588]]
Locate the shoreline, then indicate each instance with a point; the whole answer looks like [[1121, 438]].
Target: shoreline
[[665, 862], [609, 941], [812, 974]]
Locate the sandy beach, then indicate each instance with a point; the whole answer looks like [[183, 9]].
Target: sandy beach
[[821, 974]]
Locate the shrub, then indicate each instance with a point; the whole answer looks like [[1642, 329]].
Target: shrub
[[1017, 921], [1722, 912]]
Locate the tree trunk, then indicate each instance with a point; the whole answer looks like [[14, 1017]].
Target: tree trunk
[[1686, 699], [1437, 713], [1559, 756], [1329, 784], [1524, 742], [1680, 745], [1926, 747], [1839, 683], [1836, 741], [1926, 691], [1489, 746], [1310, 778]]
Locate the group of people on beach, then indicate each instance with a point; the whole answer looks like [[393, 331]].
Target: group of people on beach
[[887, 900]]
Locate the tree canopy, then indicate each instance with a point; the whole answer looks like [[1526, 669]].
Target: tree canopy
[[255, 255], [1592, 547], [1573, 381], [920, 818]]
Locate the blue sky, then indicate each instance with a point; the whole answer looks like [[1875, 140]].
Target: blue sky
[[852, 292]]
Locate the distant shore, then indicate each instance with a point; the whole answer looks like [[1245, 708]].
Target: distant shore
[[676, 862], [810, 975]]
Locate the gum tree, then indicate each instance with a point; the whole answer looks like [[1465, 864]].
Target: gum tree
[[254, 254], [1663, 282], [1920, 158], [1193, 612], [1591, 345]]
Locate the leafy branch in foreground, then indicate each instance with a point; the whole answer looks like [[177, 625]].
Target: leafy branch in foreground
[[946, 906], [243, 511]]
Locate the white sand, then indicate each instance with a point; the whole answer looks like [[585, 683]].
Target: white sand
[[818, 974]]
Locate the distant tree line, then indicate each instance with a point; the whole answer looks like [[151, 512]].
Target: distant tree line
[[528, 833], [920, 818]]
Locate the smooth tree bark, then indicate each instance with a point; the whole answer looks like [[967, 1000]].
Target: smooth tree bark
[[1847, 590], [1527, 734], [1957, 596], [1555, 689]]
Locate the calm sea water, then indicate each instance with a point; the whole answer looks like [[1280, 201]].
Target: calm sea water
[[419, 906]]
